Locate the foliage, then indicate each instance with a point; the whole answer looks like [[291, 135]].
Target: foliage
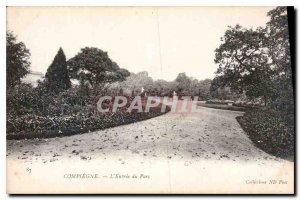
[[39, 112], [219, 90], [193, 87], [257, 63], [164, 88], [277, 30], [183, 83], [244, 62], [94, 65], [20, 99], [17, 60], [57, 78], [250, 62], [203, 88], [32, 125], [270, 131], [135, 82]]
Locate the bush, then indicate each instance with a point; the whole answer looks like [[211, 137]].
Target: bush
[[20, 99], [38, 112], [270, 130], [87, 119]]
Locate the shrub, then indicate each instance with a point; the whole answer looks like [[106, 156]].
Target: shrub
[[270, 131], [86, 119], [20, 99]]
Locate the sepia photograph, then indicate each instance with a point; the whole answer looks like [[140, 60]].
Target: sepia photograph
[[150, 100]]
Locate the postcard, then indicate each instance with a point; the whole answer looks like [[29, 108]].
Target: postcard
[[150, 100]]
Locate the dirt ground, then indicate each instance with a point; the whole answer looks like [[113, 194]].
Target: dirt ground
[[206, 152]]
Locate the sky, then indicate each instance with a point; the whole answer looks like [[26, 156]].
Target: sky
[[164, 41]]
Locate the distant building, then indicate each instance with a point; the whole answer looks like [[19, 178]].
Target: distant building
[[33, 77]]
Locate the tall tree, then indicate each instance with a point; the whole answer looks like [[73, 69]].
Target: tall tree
[[94, 65], [244, 62], [17, 60], [183, 83], [278, 30], [57, 77]]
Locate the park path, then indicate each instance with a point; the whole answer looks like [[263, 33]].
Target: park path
[[203, 149]]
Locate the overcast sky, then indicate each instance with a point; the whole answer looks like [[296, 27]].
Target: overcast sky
[[174, 39]]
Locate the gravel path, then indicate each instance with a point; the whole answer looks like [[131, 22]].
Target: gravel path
[[209, 151]]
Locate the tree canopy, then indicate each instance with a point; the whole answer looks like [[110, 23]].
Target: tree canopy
[[244, 62], [94, 65], [183, 83], [257, 62], [17, 60], [278, 30]]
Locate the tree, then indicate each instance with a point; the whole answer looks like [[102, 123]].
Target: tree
[[57, 77], [164, 88], [135, 82], [244, 62], [94, 65], [279, 51], [204, 89], [219, 90], [278, 30], [194, 88], [17, 60], [183, 83]]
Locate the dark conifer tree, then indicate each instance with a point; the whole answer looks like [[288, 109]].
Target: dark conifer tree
[[57, 78]]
